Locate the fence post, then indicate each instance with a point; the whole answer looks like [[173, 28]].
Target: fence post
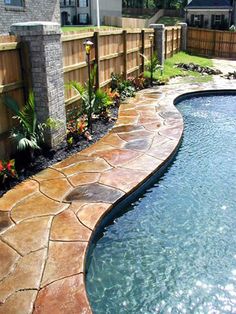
[[97, 57], [45, 53], [159, 39], [183, 41], [143, 50], [172, 42], [125, 53]]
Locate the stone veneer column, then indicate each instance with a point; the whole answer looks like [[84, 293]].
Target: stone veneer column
[[159, 39], [184, 28], [44, 40]]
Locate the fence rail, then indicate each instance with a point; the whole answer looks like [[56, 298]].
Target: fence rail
[[114, 52], [172, 41], [213, 43]]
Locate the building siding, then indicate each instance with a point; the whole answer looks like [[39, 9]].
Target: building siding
[[33, 10]]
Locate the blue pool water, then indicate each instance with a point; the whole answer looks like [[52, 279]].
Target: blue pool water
[[174, 249]]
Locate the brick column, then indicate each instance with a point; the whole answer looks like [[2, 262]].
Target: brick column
[[45, 50], [183, 45], [159, 39]]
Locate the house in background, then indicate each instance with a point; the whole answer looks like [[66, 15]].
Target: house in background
[[214, 14], [84, 12], [15, 11]]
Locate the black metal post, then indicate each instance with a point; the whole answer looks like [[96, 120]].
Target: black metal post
[[89, 94], [151, 63]]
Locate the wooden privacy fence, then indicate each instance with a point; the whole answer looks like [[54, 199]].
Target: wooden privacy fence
[[115, 51], [172, 41], [211, 43], [14, 79]]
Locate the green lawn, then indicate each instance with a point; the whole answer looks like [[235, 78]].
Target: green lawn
[[170, 70], [170, 21], [85, 28], [144, 16]]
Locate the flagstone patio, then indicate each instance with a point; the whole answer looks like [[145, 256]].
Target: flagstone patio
[[47, 221]]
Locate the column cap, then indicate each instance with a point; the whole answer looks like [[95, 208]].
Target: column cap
[[36, 28], [157, 26], [183, 24]]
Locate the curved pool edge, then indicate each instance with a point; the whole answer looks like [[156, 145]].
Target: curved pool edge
[[59, 280], [165, 102]]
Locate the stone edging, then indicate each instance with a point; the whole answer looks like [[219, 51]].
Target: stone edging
[[47, 222]]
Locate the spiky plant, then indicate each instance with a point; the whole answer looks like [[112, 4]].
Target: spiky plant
[[28, 132]]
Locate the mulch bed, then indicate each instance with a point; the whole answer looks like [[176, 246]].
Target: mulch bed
[[47, 157]]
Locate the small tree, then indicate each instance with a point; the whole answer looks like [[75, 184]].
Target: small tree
[[152, 64], [99, 99]]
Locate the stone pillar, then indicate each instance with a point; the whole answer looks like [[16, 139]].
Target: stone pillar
[[159, 39], [184, 28], [45, 50]]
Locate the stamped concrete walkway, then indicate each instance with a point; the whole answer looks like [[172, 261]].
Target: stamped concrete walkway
[[47, 221]]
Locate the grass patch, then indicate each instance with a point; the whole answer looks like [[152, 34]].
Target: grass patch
[[144, 16], [170, 20], [86, 28], [170, 70]]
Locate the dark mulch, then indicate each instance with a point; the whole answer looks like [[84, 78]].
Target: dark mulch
[[47, 157]]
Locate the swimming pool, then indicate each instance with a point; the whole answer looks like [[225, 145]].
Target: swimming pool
[[174, 249]]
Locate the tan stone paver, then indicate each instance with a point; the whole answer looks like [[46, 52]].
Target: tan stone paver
[[91, 214], [47, 222], [25, 276], [65, 296], [19, 302], [76, 231], [59, 254], [29, 235]]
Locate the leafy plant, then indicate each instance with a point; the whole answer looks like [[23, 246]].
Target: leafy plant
[[138, 82], [114, 96], [7, 170], [94, 101], [28, 133], [123, 87], [152, 65]]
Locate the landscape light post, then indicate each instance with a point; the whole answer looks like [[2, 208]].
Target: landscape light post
[[88, 46], [151, 38]]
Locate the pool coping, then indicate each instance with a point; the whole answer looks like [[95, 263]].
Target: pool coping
[[59, 288]]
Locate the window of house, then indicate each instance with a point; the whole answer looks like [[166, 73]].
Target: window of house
[[217, 19], [197, 20], [83, 3], [16, 3], [83, 18]]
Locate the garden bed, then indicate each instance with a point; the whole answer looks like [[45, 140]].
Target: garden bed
[[47, 157]]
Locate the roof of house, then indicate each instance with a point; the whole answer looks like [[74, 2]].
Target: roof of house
[[209, 4]]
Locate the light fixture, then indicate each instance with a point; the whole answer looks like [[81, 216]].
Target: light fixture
[[88, 46]]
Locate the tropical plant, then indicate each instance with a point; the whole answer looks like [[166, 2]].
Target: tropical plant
[[152, 64], [94, 101], [28, 133], [7, 170]]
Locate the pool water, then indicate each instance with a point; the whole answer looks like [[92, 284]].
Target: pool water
[[174, 249]]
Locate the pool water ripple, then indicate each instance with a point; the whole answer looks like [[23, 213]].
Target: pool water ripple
[[174, 249]]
